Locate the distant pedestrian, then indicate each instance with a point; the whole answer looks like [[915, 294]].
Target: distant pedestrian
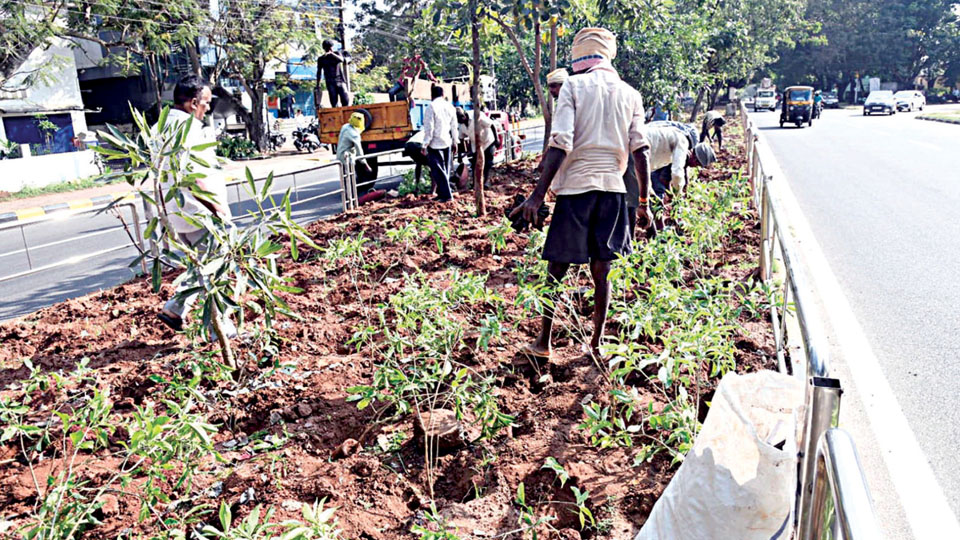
[[300, 119], [439, 141], [713, 121], [489, 135], [333, 66], [191, 101], [413, 149]]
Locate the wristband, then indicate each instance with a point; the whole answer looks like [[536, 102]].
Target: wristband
[[643, 200]]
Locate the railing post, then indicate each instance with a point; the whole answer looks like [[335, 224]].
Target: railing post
[[26, 248], [840, 475], [764, 232], [822, 413]]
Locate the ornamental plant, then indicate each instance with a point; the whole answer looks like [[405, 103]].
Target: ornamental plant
[[237, 270]]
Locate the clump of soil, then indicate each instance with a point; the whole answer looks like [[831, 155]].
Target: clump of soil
[[376, 474]]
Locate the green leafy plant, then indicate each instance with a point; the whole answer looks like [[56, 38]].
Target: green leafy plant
[[233, 269], [232, 147], [410, 185], [498, 235]]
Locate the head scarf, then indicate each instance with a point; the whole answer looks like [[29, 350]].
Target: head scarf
[[704, 153], [591, 47], [557, 76], [358, 121]]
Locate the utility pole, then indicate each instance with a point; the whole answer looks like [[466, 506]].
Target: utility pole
[[342, 30]]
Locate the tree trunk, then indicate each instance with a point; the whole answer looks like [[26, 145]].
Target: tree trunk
[[696, 105], [255, 129], [548, 119], [194, 56], [475, 96]]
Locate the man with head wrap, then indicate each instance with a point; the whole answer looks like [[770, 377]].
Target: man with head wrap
[[555, 80], [673, 148], [598, 119], [349, 148]]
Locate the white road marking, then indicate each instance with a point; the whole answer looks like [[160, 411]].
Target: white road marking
[[921, 496]]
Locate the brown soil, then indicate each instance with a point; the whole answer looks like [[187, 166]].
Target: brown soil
[[330, 452]]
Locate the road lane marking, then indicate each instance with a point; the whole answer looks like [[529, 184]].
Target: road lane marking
[[922, 498]]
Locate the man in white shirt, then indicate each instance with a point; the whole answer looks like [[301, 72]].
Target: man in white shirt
[[489, 133], [191, 101], [439, 141], [598, 120], [673, 148]]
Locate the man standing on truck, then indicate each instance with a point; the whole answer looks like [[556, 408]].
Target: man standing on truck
[[598, 120], [333, 67], [439, 141]]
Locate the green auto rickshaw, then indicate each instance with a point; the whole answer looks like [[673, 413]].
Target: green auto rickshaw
[[797, 106]]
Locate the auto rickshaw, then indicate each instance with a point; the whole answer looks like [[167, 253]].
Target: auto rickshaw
[[797, 106]]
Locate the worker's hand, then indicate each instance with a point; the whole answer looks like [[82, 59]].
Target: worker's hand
[[529, 208], [644, 217], [423, 150]]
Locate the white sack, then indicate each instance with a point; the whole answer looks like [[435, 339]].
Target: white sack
[[735, 484]]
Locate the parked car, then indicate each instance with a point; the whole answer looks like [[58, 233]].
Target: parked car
[[910, 100], [880, 101], [830, 100]]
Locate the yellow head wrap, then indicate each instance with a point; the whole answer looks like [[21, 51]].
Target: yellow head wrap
[[357, 120]]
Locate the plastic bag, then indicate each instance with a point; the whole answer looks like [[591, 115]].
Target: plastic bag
[[739, 480]]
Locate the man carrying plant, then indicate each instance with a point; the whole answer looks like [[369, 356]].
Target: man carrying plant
[[599, 118], [191, 101]]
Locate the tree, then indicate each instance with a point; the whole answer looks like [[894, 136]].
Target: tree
[[135, 33], [248, 36]]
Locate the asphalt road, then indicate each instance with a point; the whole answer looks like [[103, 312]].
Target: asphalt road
[[881, 196], [77, 236]]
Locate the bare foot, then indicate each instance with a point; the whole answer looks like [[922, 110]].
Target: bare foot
[[536, 350]]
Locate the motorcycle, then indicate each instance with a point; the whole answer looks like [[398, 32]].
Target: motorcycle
[[275, 141], [306, 139]]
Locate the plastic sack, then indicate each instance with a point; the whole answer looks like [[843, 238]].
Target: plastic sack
[[740, 479]]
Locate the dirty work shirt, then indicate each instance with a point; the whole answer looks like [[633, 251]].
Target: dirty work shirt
[[348, 145], [214, 182], [486, 132], [669, 147], [598, 121], [439, 125]]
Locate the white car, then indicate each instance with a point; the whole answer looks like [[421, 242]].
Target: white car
[[766, 99], [880, 101], [910, 100]]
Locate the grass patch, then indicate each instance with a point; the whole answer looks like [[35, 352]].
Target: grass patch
[[955, 116], [60, 187]]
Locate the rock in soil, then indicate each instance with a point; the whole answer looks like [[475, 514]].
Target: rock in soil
[[442, 426], [348, 448]]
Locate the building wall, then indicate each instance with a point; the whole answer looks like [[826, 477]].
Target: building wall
[[58, 95]]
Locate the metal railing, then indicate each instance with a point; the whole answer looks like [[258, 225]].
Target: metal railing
[[130, 204], [828, 460]]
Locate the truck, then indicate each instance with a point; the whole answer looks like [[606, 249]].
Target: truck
[[766, 96], [389, 125]]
